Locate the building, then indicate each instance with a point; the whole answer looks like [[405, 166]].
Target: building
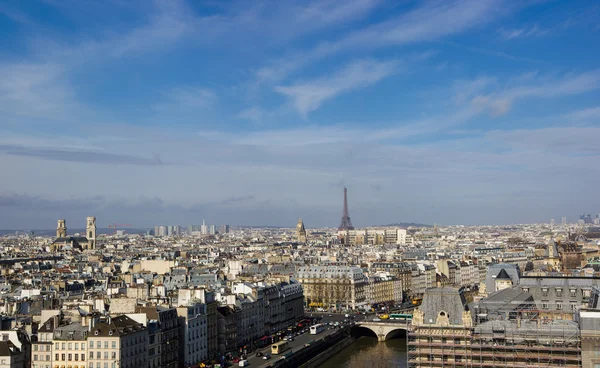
[[193, 334], [589, 326], [11, 356], [373, 236], [333, 287], [118, 342], [494, 270], [166, 321], [75, 242], [558, 296], [444, 334], [300, 232], [70, 345]]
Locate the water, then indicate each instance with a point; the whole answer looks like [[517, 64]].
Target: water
[[366, 352]]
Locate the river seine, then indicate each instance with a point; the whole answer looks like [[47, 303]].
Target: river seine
[[366, 352]]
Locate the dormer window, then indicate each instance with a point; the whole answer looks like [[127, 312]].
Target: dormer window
[[96, 333], [110, 333]]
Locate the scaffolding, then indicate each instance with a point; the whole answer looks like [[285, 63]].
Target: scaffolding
[[514, 343]]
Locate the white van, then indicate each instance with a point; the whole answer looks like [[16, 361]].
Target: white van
[[243, 363]]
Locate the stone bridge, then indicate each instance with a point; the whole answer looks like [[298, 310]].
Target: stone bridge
[[383, 330]]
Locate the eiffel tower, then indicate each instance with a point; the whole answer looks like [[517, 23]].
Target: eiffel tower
[[346, 224]]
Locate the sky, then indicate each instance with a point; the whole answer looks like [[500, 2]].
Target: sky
[[260, 112]]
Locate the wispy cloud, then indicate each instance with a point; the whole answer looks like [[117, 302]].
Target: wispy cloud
[[430, 21], [310, 95], [190, 97], [533, 31], [77, 155]]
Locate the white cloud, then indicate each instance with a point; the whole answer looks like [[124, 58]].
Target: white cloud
[[431, 21], [309, 96], [533, 31], [190, 97]]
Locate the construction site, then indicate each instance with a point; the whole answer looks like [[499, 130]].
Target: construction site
[[520, 343]]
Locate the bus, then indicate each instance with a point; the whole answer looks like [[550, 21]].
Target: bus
[[279, 347], [316, 329], [403, 317]]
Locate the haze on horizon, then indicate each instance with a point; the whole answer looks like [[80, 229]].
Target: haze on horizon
[[257, 113]]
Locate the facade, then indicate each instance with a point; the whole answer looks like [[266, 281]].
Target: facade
[[77, 242], [11, 356], [118, 342], [373, 236], [333, 287], [193, 334], [589, 324], [165, 334], [70, 345], [300, 232], [558, 297], [444, 334]]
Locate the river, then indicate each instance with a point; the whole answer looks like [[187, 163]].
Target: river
[[366, 352]]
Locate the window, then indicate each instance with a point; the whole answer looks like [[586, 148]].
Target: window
[[83, 357], [76, 357], [573, 293], [91, 344], [35, 357], [62, 357], [56, 357], [56, 346], [558, 306], [544, 291], [105, 344], [99, 344], [35, 348], [559, 292], [114, 355], [98, 355], [76, 346], [573, 306], [70, 346], [63, 346], [457, 341], [545, 305], [70, 357], [91, 355], [106, 355], [114, 344]]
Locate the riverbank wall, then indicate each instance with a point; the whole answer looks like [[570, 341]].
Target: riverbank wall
[[317, 352]]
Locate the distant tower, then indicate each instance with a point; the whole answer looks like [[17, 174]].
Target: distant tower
[[551, 222], [61, 229], [300, 232], [564, 220], [90, 231], [346, 224]]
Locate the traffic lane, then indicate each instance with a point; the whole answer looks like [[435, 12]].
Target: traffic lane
[[298, 342]]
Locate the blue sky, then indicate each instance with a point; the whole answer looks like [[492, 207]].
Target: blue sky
[[259, 112]]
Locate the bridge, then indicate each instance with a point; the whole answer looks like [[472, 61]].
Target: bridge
[[384, 330]]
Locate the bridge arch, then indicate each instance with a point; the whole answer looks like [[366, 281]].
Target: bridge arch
[[383, 331]]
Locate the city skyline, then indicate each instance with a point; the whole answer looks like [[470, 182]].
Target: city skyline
[[448, 112]]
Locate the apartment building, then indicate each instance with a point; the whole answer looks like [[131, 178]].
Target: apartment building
[[118, 342]]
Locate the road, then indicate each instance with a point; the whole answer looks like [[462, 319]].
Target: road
[[299, 342], [305, 338]]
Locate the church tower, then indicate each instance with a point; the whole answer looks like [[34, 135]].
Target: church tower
[[61, 229], [90, 231], [300, 232]]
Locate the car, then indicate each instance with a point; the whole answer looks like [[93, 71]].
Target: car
[[259, 354], [236, 360], [376, 320], [330, 315], [286, 338], [266, 356]]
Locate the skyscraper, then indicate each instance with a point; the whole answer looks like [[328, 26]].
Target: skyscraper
[[564, 220], [204, 228]]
